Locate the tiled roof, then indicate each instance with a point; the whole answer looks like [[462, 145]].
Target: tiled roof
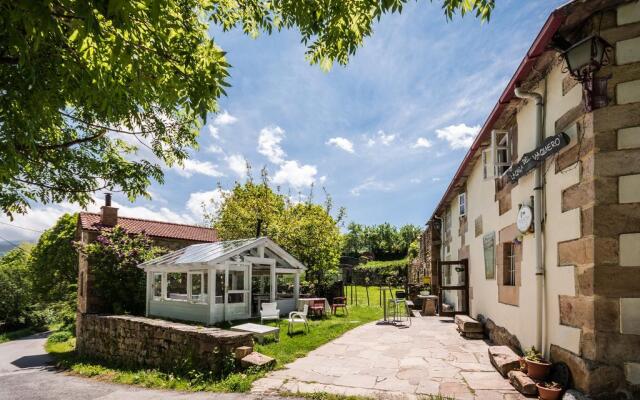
[[91, 222]]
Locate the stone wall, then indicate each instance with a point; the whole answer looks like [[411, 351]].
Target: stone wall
[[607, 263], [155, 343]]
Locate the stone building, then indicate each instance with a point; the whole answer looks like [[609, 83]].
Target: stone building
[[541, 238], [165, 234]]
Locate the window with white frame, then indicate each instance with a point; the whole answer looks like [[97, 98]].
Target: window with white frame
[[285, 286], [501, 145], [199, 286], [462, 203], [487, 164], [509, 264], [177, 286], [157, 285]]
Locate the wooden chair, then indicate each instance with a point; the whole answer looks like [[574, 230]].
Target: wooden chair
[[339, 302], [317, 307], [298, 317]]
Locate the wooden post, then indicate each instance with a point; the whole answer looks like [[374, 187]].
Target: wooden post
[[366, 287]]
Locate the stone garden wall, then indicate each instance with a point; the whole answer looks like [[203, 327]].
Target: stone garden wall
[[155, 343]]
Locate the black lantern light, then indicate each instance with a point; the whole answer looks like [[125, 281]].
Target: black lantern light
[[583, 59]]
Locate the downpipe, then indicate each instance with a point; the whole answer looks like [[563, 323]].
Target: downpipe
[[537, 213]]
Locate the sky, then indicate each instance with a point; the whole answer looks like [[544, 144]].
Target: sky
[[384, 134]]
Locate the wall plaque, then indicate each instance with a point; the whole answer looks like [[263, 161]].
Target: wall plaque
[[489, 244]]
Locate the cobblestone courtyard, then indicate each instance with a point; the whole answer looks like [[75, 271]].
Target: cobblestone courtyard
[[395, 362]]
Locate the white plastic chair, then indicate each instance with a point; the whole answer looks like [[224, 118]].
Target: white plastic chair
[[298, 317], [269, 311]]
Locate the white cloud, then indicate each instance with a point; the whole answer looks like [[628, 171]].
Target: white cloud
[[237, 164], [422, 143], [370, 184], [191, 167], [381, 137], [211, 201], [415, 180], [296, 175], [269, 144], [341, 143], [435, 179], [214, 131], [386, 139], [322, 179], [28, 227], [224, 118], [459, 136], [214, 149]]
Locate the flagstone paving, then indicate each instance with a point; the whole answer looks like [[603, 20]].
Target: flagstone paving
[[386, 361]]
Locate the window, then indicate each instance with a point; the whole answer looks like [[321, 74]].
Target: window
[[509, 264], [487, 166], [462, 203], [157, 285], [501, 145], [177, 286], [220, 287], [199, 287], [286, 283]]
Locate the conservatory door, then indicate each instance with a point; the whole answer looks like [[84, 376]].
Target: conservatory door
[[237, 299]]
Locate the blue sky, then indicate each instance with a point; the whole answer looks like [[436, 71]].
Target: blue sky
[[383, 134]]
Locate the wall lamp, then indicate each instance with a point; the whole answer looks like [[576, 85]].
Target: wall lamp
[[583, 59]]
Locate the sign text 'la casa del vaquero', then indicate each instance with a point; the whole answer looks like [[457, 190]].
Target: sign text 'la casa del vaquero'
[[530, 160]]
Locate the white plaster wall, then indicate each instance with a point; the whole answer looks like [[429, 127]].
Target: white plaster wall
[[520, 320]]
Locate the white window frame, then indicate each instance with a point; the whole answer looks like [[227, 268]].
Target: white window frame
[[462, 204], [153, 285], [166, 285], [203, 295], [488, 170], [501, 144]]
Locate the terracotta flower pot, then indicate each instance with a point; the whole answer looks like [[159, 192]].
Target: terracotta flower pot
[[546, 393], [537, 370]]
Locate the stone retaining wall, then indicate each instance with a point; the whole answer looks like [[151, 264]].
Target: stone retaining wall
[[155, 343]]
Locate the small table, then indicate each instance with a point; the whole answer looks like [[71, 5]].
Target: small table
[[309, 300], [258, 331]]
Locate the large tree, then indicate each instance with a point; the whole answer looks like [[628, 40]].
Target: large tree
[[84, 83], [54, 261], [306, 230]]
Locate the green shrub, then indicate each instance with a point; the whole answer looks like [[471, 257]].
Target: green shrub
[[60, 337]]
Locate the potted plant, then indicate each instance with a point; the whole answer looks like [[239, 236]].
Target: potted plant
[[537, 367], [549, 390]]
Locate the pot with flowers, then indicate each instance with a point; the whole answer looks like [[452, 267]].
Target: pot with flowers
[[549, 390], [537, 367]]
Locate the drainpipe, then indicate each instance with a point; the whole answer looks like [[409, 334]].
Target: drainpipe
[[537, 214]]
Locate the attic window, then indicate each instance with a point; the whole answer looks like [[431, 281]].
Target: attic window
[[501, 144], [462, 203]]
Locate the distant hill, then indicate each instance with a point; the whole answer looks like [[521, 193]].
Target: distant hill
[[5, 247]]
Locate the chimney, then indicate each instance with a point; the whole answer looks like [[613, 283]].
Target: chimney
[[108, 214]]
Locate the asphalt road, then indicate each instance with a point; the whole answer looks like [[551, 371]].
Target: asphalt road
[[26, 373]]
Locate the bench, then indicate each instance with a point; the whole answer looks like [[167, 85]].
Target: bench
[[469, 327]]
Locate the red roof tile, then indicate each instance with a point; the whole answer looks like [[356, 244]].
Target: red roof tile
[[91, 222]]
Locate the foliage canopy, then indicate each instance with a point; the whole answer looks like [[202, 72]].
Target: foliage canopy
[[384, 241], [86, 84], [306, 230], [114, 259], [54, 261]]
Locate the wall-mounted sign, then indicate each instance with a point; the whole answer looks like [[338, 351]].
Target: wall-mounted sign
[[532, 159]]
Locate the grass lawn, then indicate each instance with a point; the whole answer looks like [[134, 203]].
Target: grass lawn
[[17, 334], [288, 349], [374, 295]]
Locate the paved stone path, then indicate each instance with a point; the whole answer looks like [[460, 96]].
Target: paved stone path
[[386, 361], [26, 373]]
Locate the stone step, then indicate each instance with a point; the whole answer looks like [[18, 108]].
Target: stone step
[[256, 359], [522, 383], [504, 359], [243, 351], [467, 324]]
